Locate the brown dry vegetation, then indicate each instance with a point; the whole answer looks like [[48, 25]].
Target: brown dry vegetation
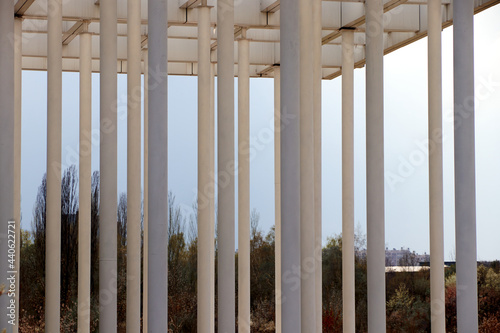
[[407, 294]]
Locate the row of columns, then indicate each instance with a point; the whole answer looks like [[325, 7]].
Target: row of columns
[[297, 135], [464, 148]]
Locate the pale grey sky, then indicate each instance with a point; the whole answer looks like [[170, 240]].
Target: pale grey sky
[[405, 134]]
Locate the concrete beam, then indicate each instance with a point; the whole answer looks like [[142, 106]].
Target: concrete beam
[[189, 3], [269, 6], [22, 6], [391, 4], [237, 33], [144, 42], [74, 31]]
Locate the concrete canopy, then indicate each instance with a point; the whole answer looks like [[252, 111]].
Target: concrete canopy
[[405, 21]]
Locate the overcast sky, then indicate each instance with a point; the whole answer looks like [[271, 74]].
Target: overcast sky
[[405, 84]]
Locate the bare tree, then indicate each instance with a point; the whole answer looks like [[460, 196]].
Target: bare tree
[[216, 229], [359, 239], [38, 225], [254, 223], [176, 220], [94, 245], [69, 193], [122, 219], [193, 223], [69, 232]]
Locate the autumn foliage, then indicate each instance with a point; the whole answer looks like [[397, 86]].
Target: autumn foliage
[[407, 293]]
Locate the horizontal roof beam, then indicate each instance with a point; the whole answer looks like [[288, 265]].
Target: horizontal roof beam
[[387, 6], [424, 2], [272, 6], [144, 41]]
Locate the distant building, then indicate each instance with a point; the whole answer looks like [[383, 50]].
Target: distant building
[[401, 257]]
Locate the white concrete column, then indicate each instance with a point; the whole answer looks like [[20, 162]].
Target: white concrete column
[[54, 119], [134, 97], [225, 165], [158, 168], [108, 169], [277, 197], [205, 174], [290, 166], [212, 198], [243, 185], [145, 200], [465, 170], [85, 181], [348, 271], [375, 165], [307, 177], [7, 121], [317, 79], [435, 130], [18, 73]]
